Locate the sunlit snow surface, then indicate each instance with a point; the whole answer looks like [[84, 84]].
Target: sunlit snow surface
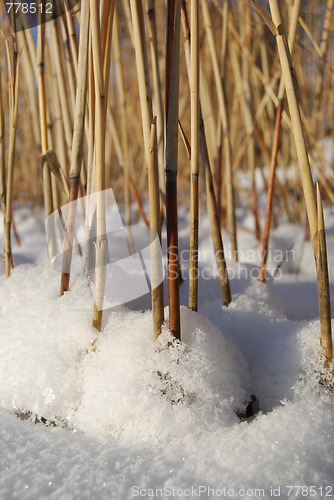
[[130, 414]]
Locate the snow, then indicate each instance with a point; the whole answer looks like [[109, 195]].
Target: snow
[[126, 417]]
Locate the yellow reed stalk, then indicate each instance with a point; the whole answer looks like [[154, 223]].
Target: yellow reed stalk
[[101, 240], [225, 127], [305, 170], [124, 127], [323, 285], [155, 227], [157, 102]]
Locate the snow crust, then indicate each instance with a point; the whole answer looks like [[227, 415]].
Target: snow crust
[[124, 412]]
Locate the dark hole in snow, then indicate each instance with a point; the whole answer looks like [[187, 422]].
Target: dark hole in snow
[[251, 410]]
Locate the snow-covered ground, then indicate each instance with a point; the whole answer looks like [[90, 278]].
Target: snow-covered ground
[[127, 418]]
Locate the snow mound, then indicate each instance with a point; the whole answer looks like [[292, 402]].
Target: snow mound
[[138, 388], [118, 383]]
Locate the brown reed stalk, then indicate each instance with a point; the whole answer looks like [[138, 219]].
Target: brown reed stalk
[[77, 146], [323, 285], [215, 228], [171, 161], [194, 201], [270, 194], [285, 195], [155, 228]]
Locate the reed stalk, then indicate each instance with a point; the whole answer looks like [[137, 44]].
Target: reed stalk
[[194, 201], [43, 122], [207, 103], [13, 69], [106, 47], [90, 158], [155, 228], [2, 155], [72, 36], [124, 126], [157, 102], [275, 146], [58, 130], [63, 89], [220, 138], [245, 10], [305, 170], [171, 161], [91, 120], [297, 127], [132, 186], [127, 14], [270, 194], [323, 285], [321, 70], [77, 146], [142, 72], [28, 75], [68, 64], [225, 129], [209, 185], [101, 240]]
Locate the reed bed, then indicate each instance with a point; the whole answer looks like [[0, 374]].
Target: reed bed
[[242, 99]]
